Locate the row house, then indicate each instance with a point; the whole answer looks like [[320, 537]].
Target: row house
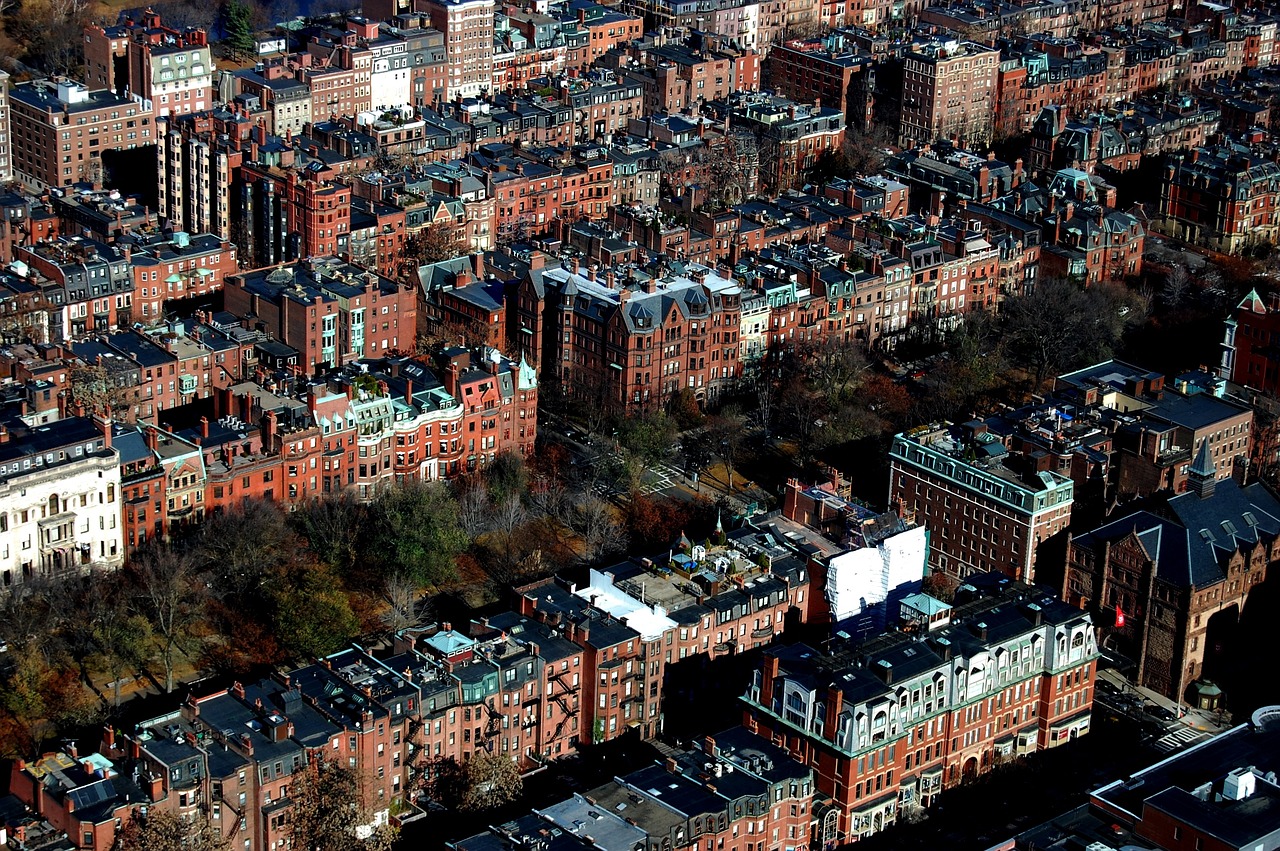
[[89, 284], [511, 686], [889, 724], [630, 343], [165, 367], [627, 642], [161, 482], [331, 312], [103, 214], [175, 268], [1092, 243], [735, 788], [282, 212], [792, 137], [677, 78]]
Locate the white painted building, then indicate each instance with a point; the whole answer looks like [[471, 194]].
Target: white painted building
[[885, 564], [59, 501]]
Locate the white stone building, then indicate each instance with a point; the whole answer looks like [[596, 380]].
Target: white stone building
[[59, 501]]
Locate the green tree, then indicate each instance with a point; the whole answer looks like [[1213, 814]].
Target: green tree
[[413, 530], [313, 616], [239, 26]]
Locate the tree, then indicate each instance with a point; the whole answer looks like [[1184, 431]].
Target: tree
[[160, 830], [243, 549], [123, 641], [486, 781], [100, 390], [327, 811], [726, 433], [413, 530], [594, 521], [238, 20], [1059, 325], [435, 243], [313, 616], [404, 604], [173, 595], [331, 524], [940, 586]]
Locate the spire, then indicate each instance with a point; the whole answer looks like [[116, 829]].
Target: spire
[[1203, 475]]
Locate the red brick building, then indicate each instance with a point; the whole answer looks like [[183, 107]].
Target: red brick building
[[331, 312], [991, 679]]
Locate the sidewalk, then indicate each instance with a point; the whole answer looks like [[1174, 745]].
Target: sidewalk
[[1197, 719]]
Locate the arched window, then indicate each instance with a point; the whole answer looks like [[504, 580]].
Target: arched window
[[53, 505]]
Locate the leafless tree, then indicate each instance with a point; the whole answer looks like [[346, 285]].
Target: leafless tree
[[594, 520], [404, 603], [474, 510], [173, 593]]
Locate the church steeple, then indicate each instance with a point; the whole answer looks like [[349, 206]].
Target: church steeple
[[1202, 478]]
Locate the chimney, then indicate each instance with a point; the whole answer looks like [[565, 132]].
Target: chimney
[[204, 428], [408, 391], [768, 673]]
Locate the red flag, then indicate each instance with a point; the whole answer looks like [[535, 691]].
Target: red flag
[[1119, 616]]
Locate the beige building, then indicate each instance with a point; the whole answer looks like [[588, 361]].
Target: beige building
[[6, 163], [949, 91], [468, 37]]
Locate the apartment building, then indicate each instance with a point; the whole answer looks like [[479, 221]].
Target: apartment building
[[60, 488], [986, 508], [164, 70], [467, 26], [888, 724], [59, 132], [6, 151], [948, 92], [632, 343], [197, 158], [331, 312], [1222, 197]]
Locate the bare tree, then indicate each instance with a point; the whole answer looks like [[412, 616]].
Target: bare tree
[[593, 519], [331, 524], [474, 511], [101, 390], [173, 595], [404, 603]]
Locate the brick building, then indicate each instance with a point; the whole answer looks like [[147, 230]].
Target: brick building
[[166, 71], [42, 114], [948, 92], [468, 35], [1167, 586], [888, 724], [630, 343], [1221, 197], [331, 312], [984, 505]]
